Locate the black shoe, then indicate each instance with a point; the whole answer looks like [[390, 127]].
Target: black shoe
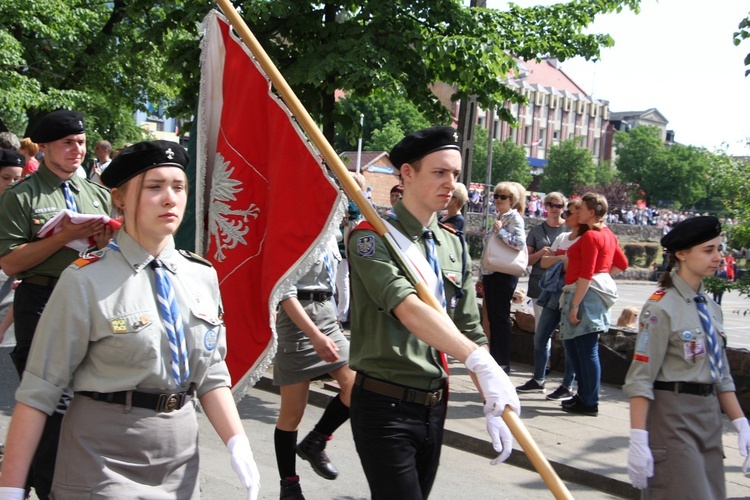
[[531, 386], [291, 490], [582, 409], [560, 394], [312, 449], [570, 402]]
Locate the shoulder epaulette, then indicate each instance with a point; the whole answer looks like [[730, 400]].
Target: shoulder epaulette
[[20, 181], [447, 228], [87, 259], [195, 258], [657, 295]]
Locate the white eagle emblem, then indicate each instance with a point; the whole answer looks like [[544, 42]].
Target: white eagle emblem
[[225, 232]]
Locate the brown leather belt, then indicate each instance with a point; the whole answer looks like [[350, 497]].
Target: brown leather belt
[[37, 279], [685, 388], [314, 296], [406, 394], [160, 403]]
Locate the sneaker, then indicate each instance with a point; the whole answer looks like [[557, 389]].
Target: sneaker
[[290, 489], [531, 386], [582, 409], [571, 401], [560, 394]]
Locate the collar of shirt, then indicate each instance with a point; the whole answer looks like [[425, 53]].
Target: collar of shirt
[[138, 258], [412, 228], [685, 290], [54, 182]]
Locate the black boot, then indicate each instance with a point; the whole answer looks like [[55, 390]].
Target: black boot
[[312, 449], [291, 490]]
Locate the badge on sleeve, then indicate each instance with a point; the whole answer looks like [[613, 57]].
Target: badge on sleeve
[[119, 325], [366, 246], [210, 340]]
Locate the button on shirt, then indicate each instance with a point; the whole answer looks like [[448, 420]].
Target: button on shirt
[[26, 206], [101, 329], [671, 345], [381, 346]]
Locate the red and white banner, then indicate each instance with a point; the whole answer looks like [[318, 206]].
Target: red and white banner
[[263, 197]]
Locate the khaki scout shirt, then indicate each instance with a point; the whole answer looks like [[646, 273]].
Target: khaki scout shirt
[[381, 346], [672, 345], [101, 330], [27, 205]]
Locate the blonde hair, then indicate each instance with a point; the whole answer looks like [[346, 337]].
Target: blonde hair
[[516, 192], [554, 195], [460, 194], [627, 316], [359, 179]]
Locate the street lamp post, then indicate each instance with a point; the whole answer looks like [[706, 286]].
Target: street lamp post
[[359, 142]]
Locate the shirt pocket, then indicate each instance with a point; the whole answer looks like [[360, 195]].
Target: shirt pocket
[[134, 339], [453, 281], [205, 331]]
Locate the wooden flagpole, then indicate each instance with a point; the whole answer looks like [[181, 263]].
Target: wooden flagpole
[[352, 190]]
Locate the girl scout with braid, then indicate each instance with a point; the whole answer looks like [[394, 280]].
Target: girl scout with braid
[[679, 381], [136, 331]]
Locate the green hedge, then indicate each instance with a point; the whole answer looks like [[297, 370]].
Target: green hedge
[[641, 254], [475, 240]]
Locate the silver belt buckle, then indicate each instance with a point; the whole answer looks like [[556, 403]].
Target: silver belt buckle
[[169, 402]]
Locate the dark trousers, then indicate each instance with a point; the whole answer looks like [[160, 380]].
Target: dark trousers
[[28, 304], [398, 444], [498, 292]]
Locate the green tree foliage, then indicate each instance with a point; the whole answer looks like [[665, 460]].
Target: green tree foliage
[[743, 33], [663, 173], [568, 166], [383, 115], [402, 47], [731, 177], [105, 59], [509, 161]]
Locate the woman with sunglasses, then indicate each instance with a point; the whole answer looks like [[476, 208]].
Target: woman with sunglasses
[[510, 198], [588, 296], [539, 241], [549, 304]]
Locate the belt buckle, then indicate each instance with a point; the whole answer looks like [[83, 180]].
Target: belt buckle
[[705, 390], [168, 402]]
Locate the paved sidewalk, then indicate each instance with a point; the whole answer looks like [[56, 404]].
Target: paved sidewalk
[[591, 451]]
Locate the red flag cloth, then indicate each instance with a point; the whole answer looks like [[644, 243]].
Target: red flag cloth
[[262, 191]]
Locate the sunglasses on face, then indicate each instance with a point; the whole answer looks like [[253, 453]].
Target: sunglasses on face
[[500, 196], [559, 206], [568, 213]]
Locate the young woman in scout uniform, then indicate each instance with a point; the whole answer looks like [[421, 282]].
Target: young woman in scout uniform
[[679, 381], [311, 344], [136, 331]]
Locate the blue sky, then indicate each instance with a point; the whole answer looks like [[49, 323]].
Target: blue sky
[[676, 56]]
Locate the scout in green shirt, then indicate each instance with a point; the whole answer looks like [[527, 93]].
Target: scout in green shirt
[[398, 343], [24, 208]]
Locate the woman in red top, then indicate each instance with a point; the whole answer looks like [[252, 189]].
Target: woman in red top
[[588, 296]]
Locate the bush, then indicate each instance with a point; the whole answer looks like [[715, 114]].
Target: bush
[[641, 254], [475, 240]]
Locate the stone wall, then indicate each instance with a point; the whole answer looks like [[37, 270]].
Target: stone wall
[[626, 233]]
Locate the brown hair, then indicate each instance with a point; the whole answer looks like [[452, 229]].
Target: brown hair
[[598, 204], [29, 146], [665, 280], [582, 228]]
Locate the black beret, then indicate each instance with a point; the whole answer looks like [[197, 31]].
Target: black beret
[[141, 157], [58, 124], [691, 232], [10, 158], [423, 142]]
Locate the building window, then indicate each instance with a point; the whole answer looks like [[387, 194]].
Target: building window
[[527, 135]]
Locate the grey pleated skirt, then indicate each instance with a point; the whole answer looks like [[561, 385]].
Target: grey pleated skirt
[[296, 360], [107, 453]]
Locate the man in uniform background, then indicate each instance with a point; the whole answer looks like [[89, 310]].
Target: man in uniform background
[[24, 209], [399, 343]]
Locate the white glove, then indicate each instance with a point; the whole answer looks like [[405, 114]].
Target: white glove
[[496, 387], [8, 493], [743, 429], [502, 439], [244, 464], [640, 459]]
